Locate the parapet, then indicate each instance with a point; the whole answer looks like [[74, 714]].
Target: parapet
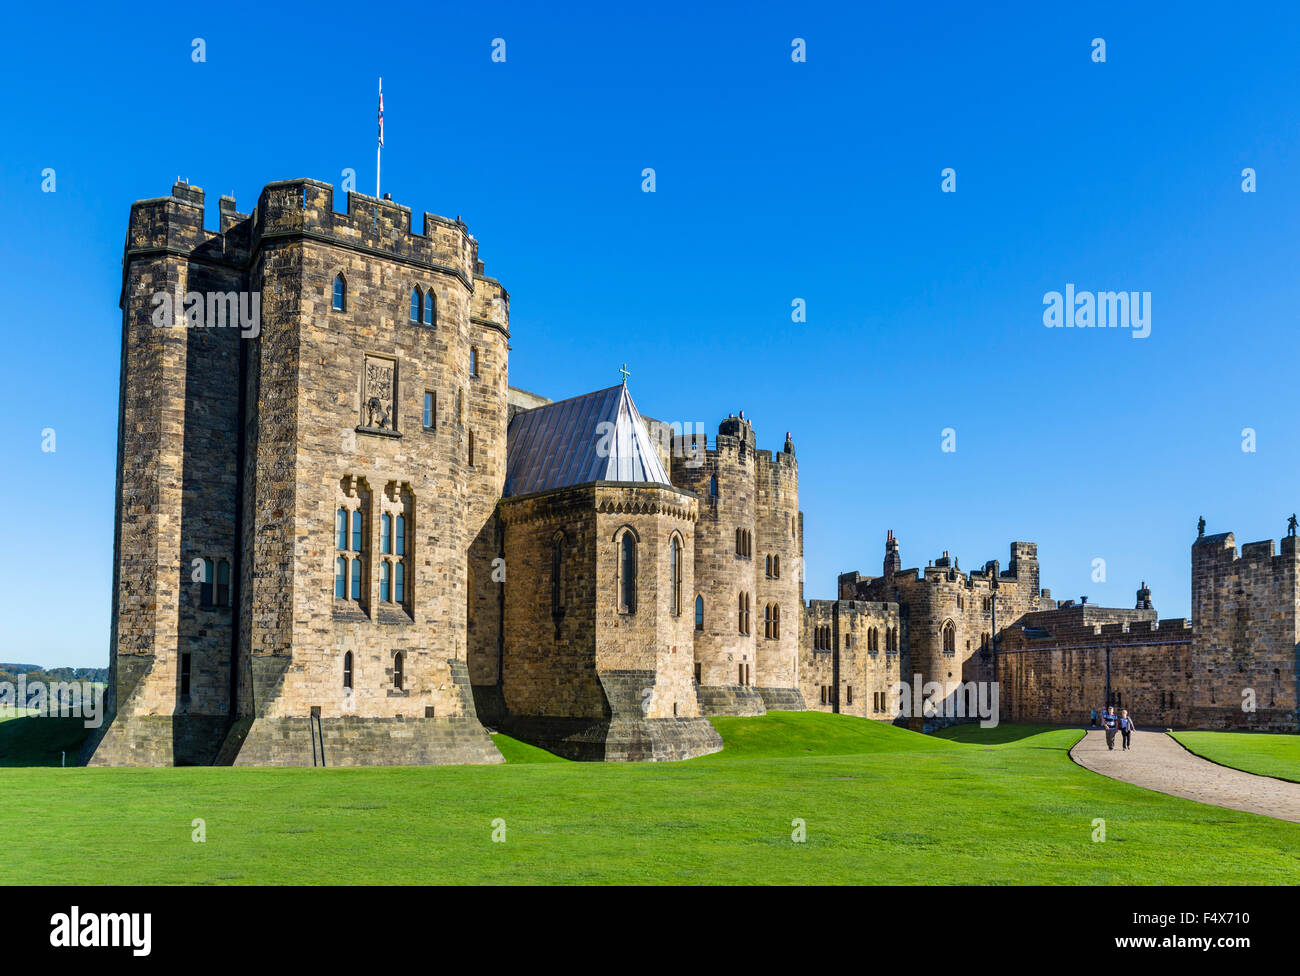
[[305, 208]]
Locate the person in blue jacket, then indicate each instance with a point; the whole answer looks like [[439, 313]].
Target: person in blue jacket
[[1125, 726]]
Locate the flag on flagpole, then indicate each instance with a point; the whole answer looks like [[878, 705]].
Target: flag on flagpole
[[381, 111]]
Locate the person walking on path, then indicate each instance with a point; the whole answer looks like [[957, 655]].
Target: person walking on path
[[1110, 722], [1092, 721], [1125, 726]]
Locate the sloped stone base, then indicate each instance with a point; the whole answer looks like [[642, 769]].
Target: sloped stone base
[[783, 699], [156, 740], [739, 700], [352, 741]]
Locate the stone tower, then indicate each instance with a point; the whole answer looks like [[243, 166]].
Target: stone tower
[[339, 461], [748, 570], [1245, 631]]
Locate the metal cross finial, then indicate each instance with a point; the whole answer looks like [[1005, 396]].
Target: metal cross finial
[[625, 373]]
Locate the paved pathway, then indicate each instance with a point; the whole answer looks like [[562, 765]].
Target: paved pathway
[[1158, 763]]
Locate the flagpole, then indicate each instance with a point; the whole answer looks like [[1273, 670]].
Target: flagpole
[[380, 147]]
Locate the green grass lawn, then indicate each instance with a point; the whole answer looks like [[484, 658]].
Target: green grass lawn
[[1254, 752], [880, 805]]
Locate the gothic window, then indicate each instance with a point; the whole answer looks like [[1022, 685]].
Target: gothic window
[[347, 670], [473, 361], [398, 676], [399, 582], [340, 293], [949, 635], [205, 588], [385, 533], [776, 622], [742, 604], [627, 572], [675, 576], [768, 568], [557, 578], [417, 300], [767, 622], [699, 613], [223, 583], [776, 567], [430, 315], [739, 548], [357, 533], [341, 528], [356, 579], [430, 409]]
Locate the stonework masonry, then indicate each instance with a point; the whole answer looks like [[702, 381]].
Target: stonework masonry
[[323, 554]]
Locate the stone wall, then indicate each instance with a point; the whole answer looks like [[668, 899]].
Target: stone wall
[[1146, 667]]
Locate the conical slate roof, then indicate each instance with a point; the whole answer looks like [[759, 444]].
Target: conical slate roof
[[595, 437]]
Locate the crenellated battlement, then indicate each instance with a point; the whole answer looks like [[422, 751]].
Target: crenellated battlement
[[304, 208]]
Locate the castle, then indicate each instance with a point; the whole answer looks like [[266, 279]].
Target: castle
[[342, 538]]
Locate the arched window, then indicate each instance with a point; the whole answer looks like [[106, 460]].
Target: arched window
[[399, 582], [627, 572], [767, 622], [557, 575], [769, 567], [699, 613], [949, 633], [743, 607], [713, 486], [397, 671], [385, 533], [430, 317], [340, 293], [205, 588], [776, 622], [223, 583], [341, 578], [675, 576], [740, 546], [384, 571], [341, 528], [417, 300], [776, 567], [347, 670]]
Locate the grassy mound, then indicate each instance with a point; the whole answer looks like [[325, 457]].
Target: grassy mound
[[781, 735], [41, 741], [1252, 752]]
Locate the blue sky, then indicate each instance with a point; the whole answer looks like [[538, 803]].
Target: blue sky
[[775, 180]]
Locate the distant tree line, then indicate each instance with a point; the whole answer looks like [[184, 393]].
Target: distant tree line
[[34, 672]]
